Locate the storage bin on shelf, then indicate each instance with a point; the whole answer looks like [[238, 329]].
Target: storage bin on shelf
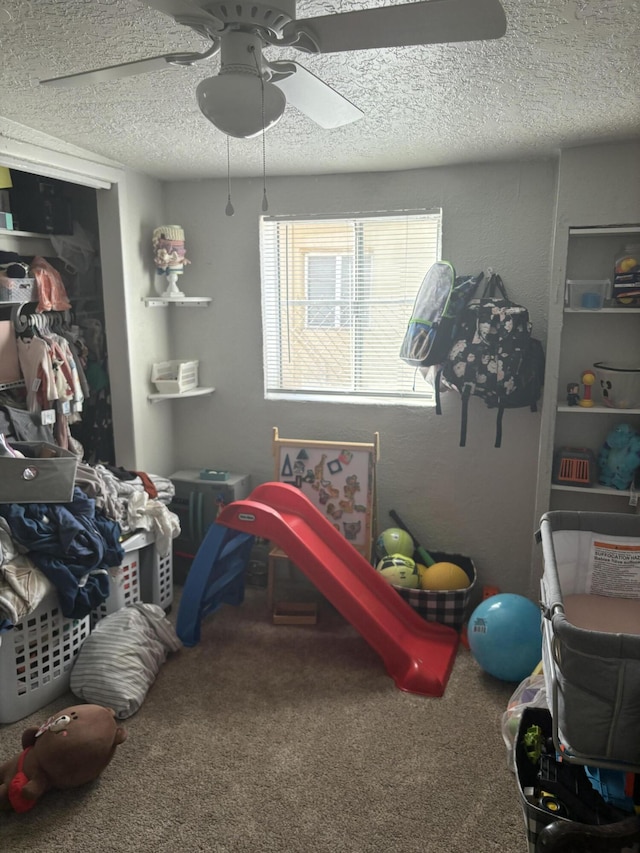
[[18, 290], [36, 658], [450, 607], [175, 377], [46, 474], [588, 293], [618, 383]]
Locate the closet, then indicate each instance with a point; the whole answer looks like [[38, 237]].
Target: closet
[[123, 554], [76, 257]]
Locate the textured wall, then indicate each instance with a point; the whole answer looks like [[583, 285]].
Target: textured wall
[[476, 500], [566, 71]]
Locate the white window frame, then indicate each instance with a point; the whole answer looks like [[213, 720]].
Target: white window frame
[[338, 296], [282, 286]]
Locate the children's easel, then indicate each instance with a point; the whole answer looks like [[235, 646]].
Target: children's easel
[[340, 480]]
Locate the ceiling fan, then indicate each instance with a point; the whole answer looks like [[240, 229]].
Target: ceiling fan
[[249, 94]]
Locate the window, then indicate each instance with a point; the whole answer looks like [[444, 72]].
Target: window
[[337, 294], [328, 280]]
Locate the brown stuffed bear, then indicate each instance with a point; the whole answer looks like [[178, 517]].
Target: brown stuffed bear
[[71, 748]]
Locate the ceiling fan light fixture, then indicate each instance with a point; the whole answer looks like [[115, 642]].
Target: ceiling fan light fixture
[[233, 103]]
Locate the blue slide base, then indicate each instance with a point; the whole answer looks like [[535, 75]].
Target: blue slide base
[[216, 577]]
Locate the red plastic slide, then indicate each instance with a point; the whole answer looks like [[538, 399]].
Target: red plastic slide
[[418, 655]]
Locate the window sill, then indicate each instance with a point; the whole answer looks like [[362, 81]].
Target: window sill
[[357, 400]]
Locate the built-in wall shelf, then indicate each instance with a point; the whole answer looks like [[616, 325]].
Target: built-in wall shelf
[[589, 255], [594, 490], [9, 232], [606, 310], [193, 392], [596, 410], [603, 230], [182, 301]]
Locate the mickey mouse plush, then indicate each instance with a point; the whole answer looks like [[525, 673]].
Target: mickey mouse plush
[[73, 747]]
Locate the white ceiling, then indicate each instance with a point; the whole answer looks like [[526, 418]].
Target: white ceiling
[[566, 73]]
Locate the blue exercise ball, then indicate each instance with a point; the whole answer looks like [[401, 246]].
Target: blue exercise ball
[[505, 636]]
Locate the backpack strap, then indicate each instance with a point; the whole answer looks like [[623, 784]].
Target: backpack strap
[[499, 426], [437, 384], [495, 283], [466, 393]]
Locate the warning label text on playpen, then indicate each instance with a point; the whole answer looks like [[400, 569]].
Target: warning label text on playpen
[[614, 568]]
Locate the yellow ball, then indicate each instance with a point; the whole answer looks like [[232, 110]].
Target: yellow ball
[[444, 576]]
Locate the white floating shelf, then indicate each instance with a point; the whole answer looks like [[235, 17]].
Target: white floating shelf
[[194, 392], [607, 310], [9, 232], [183, 301], [596, 410], [597, 490], [604, 230]]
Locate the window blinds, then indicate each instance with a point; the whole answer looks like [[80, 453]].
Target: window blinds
[[337, 294]]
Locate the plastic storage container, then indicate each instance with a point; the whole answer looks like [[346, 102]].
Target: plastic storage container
[[587, 294], [156, 577], [175, 377], [18, 290], [619, 384], [36, 658], [124, 588]]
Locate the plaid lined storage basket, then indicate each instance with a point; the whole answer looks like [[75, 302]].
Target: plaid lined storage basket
[[448, 607]]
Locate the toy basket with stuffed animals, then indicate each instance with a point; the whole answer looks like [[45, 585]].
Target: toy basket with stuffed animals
[[36, 658], [590, 596]]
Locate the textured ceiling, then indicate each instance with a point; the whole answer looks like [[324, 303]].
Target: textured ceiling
[[566, 73]]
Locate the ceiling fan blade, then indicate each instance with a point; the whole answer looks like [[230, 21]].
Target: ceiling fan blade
[[426, 22], [312, 96], [187, 12], [128, 69], [179, 8], [111, 72]]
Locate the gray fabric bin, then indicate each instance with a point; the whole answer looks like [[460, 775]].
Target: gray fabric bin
[[46, 474], [592, 678]]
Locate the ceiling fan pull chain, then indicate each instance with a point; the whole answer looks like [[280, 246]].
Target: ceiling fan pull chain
[[265, 201], [229, 209]]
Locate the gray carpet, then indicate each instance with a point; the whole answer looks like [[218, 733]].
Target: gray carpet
[[290, 739]]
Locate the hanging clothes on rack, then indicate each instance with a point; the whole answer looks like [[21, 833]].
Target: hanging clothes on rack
[[50, 371]]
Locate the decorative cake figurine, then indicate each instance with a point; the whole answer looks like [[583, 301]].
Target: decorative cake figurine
[[169, 257]]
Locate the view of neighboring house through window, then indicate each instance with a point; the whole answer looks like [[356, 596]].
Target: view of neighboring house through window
[[337, 294]]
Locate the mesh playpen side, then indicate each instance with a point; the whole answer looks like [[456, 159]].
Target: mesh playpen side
[[592, 676]]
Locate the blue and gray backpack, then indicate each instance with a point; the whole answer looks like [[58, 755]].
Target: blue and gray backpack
[[432, 327]]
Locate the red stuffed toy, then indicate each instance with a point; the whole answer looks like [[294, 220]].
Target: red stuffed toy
[[70, 749]]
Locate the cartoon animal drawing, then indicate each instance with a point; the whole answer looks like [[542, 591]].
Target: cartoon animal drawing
[[351, 529], [319, 468], [351, 486]]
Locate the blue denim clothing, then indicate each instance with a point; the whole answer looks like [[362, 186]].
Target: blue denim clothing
[[72, 544]]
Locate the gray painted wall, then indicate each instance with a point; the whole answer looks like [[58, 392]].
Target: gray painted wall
[[476, 500], [512, 216]]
